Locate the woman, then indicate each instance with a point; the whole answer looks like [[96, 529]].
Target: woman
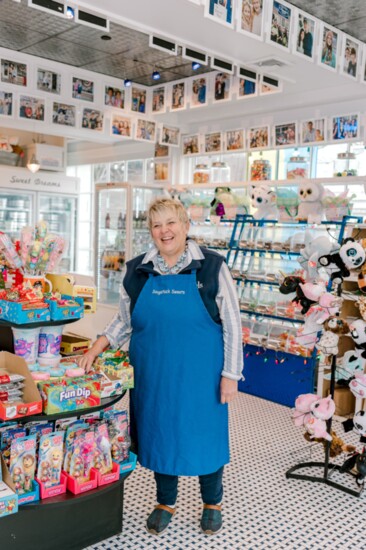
[[179, 309], [246, 17], [300, 41], [328, 56]]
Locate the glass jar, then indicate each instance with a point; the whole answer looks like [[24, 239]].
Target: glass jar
[[201, 174], [220, 172], [345, 165], [261, 169], [297, 168]]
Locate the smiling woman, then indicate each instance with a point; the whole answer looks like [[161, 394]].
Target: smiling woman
[[179, 311]]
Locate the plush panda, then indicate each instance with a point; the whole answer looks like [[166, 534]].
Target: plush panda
[[359, 423], [358, 333], [351, 255], [264, 200]]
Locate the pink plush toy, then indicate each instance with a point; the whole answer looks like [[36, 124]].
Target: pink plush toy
[[358, 385], [323, 408], [307, 335], [303, 404], [317, 429], [330, 305]]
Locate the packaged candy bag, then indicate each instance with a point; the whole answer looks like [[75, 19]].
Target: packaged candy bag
[[51, 447], [102, 459], [23, 463]]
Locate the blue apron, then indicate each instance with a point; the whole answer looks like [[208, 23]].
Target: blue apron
[[177, 351]]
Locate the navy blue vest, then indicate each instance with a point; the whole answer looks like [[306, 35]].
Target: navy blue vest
[[207, 279]]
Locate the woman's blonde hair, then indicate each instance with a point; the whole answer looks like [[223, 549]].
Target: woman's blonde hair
[[162, 204]]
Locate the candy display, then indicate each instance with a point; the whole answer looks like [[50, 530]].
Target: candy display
[[51, 452], [71, 394], [23, 463], [23, 304], [65, 307], [112, 361]]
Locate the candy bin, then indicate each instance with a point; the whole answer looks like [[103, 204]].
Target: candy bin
[[261, 169], [297, 167], [50, 341], [201, 174], [26, 343]]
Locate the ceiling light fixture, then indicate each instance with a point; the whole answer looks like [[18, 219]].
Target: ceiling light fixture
[[70, 12], [127, 82], [195, 65], [156, 75], [33, 165]]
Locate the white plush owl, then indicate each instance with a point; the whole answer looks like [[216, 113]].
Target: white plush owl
[[311, 206]]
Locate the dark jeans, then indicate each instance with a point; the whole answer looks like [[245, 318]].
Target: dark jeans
[[210, 484]]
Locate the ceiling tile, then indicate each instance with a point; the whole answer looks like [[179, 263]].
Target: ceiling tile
[[30, 18], [64, 52], [16, 38]]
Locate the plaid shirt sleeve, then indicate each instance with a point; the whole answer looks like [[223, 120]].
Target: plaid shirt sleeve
[[228, 304], [119, 329]]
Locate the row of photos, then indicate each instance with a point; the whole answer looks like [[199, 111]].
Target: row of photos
[[293, 31]]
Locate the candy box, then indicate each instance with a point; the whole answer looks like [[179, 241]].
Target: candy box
[[74, 344], [76, 285], [14, 312], [77, 488], [70, 394], [32, 401], [129, 464], [8, 496], [110, 477], [72, 308], [32, 496], [111, 385]]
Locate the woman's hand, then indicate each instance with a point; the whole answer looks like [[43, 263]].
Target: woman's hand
[[228, 389], [86, 361]]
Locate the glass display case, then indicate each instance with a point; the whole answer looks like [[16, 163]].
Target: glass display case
[[16, 211], [120, 232]]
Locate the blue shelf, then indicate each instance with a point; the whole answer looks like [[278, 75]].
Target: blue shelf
[[282, 252], [269, 316], [256, 281]]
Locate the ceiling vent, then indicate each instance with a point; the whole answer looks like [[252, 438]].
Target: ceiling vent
[[269, 62]]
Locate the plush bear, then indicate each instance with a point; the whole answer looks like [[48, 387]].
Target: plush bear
[[351, 255], [302, 412], [307, 294], [264, 200], [317, 428], [323, 408], [351, 363], [311, 207], [337, 447]]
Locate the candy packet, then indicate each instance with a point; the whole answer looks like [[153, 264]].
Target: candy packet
[[23, 463], [51, 447]]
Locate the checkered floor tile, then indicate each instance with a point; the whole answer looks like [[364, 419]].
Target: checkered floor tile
[[261, 508]]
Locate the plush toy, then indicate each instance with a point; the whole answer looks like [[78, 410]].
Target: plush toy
[[223, 198], [337, 447], [302, 412], [311, 252], [358, 333], [359, 423], [307, 294], [311, 207], [336, 325], [317, 428], [351, 255], [333, 328], [264, 200], [307, 334], [362, 279], [330, 305], [361, 304], [323, 408], [352, 363], [358, 385]]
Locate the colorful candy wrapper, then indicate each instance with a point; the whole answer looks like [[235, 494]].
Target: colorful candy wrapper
[[33, 257], [56, 253], [8, 250], [41, 230], [26, 239]]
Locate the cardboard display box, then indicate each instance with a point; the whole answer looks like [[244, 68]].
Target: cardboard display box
[[111, 385], [344, 401], [74, 344], [8, 496], [58, 312], [76, 285], [14, 312], [31, 397]]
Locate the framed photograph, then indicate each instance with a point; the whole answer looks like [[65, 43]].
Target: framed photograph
[[158, 100], [32, 108], [138, 100], [351, 57], [259, 137], [191, 144], [63, 114], [169, 135], [305, 28], [161, 150], [280, 24], [345, 127], [48, 81], [220, 11], [265, 88], [161, 170], [121, 126], [6, 104], [313, 130], [213, 142], [222, 87], [145, 130], [82, 89], [234, 140], [247, 88], [285, 134], [250, 18], [178, 96], [328, 47], [92, 120], [114, 97], [13, 73], [198, 96]]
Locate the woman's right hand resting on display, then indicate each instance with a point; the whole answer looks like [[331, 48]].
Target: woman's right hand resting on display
[[87, 360]]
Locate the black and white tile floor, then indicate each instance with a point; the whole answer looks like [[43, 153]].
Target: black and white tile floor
[[261, 508]]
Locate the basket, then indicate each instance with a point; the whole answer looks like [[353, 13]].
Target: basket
[[10, 159], [336, 213]]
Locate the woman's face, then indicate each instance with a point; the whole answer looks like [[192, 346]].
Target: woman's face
[[169, 233], [256, 6], [329, 39], [246, 12]]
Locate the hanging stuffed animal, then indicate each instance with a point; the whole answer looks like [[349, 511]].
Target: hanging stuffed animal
[[307, 294], [358, 333], [351, 363], [337, 447], [351, 255], [311, 208], [358, 385], [264, 200], [323, 408], [311, 252], [302, 413], [317, 428], [307, 334], [359, 423], [361, 304], [223, 198], [333, 328]]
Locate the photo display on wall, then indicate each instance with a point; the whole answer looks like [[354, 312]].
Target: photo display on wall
[[345, 127], [114, 97], [222, 87], [158, 100], [234, 140], [213, 142], [199, 91], [191, 144], [161, 170], [304, 35], [313, 130], [329, 47], [48, 81], [145, 130], [138, 100], [220, 11], [32, 108], [250, 17], [63, 114], [6, 104], [247, 88], [350, 60], [121, 125], [82, 89], [285, 134], [161, 150], [281, 24], [92, 119], [169, 135], [259, 137], [178, 96], [13, 72]]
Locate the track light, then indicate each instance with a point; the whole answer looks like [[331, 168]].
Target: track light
[[70, 12], [156, 75], [195, 65], [33, 165], [127, 82]]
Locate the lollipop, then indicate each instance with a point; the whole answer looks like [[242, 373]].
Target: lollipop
[[33, 256], [8, 250], [41, 230], [26, 238], [56, 253]]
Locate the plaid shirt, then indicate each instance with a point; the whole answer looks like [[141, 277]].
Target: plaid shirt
[[119, 329]]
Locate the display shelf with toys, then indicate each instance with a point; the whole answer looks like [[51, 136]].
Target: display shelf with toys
[[272, 263]]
